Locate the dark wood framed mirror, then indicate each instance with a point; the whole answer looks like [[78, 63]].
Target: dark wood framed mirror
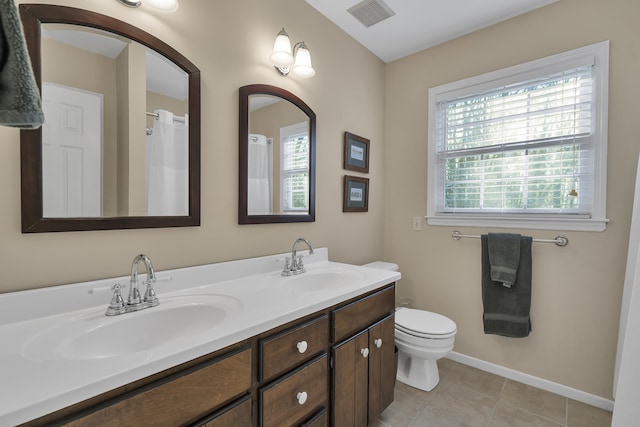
[[277, 139], [122, 196]]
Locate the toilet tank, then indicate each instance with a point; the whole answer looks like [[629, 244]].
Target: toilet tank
[[383, 265]]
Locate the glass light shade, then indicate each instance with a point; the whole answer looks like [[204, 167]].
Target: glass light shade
[[281, 56], [163, 5], [302, 66]]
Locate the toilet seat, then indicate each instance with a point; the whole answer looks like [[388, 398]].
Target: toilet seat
[[424, 324]]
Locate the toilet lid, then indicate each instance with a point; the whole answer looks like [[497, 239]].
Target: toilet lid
[[424, 322]]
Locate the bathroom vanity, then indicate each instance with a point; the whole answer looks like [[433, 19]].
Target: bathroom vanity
[[231, 344]]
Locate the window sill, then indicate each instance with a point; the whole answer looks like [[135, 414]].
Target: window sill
[[561, 224]]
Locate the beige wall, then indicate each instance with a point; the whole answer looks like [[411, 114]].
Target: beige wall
[[157, 101], [131, 105], [230, 41], [576, 289]]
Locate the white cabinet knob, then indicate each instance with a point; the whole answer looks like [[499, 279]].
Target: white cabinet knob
[[302, 346], [378, 342], [302, 397], [365, 352]]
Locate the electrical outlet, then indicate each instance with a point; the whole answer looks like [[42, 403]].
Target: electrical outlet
[[417, 223]]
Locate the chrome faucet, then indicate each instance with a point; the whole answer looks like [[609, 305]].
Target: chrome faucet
[[294, 265], [134, 293], [135, 302]]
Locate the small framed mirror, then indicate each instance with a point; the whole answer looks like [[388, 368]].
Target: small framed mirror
[[120, 146], [277, 157]]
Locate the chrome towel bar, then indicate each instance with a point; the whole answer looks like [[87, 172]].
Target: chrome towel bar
[[559, 240]]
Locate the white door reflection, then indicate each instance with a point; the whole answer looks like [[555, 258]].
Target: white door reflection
[[71, 152]]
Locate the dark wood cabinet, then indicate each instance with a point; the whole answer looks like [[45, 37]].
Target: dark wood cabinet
[[360, 314], [292, 399], [180, 399], [382, 366], [318, 419], [363, 375], [333, 367], [234, 415], [283, 351], [302, 388], [350, 381]]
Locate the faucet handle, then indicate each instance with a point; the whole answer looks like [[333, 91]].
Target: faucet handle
[[301, 265], [150, 295], [288, 264], [286, 270], [116, 306]]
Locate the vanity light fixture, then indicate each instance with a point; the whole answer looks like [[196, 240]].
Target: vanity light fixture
[[161, 5], [298, 62]]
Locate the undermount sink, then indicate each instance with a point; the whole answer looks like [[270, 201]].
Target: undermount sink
[[322, 280], [92, 335]]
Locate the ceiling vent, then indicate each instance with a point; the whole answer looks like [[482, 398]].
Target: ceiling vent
[[370, 12]]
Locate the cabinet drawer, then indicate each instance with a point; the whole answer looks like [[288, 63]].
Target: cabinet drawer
[[360, 314], [279, 401], [235, 415], [180, 399], [319, 419], [281, 352]]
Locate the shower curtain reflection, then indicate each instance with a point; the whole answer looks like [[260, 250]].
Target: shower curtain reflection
[[167, 165], [259, 199]]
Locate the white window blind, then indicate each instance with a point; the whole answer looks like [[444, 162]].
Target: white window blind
[[529, 144], [295, 167]]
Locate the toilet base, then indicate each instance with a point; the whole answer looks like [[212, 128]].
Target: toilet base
[[419, 373]]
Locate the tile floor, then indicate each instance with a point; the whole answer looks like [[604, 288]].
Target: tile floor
[[467, 396]]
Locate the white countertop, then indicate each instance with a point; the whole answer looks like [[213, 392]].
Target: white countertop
[[34, 383]]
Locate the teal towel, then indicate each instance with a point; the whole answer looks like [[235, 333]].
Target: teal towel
[[506, 310], [504, 257], [20, 104]]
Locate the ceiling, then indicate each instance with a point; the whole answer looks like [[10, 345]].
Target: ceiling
[[418, 24]]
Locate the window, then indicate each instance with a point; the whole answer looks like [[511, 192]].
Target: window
[[294, 168], [522, 147]]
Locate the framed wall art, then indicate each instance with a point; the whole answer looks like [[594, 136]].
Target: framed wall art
[[356, 153], [356, 194]]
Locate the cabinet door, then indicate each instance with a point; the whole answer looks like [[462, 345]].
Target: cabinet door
[[382, 368], [349, 380]]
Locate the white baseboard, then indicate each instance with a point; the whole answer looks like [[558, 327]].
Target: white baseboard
[[562, 390]]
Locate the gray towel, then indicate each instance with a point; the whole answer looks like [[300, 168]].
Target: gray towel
[[506, 310], [20, 104], [504, 256]]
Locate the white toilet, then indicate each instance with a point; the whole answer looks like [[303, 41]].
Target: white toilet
[[422, 337]]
